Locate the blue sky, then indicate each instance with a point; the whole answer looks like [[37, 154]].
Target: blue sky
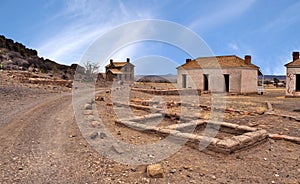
[[63, 30]]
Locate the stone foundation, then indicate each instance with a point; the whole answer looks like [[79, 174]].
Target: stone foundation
[[242, 136]]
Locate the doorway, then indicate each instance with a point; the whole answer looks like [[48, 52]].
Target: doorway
[[226, 78], [205, 82], [184, 81], [297, 82]]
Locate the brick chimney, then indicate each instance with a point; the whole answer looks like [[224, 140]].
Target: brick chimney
[[188, 60], [128, 60], [111, 62], [248, 59], [295, 56]]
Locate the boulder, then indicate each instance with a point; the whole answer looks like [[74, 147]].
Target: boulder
[[155, 170], [88, 107], [260, 111]]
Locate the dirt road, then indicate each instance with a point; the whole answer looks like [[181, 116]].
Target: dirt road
[[43, 144]]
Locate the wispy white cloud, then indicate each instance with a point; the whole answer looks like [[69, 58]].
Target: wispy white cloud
[[277, 67], [88, 21], [121, 55], [222, 13], [233, 46], [144, 65], [65, 46], [277, 64], [284, 20], [240, 49]]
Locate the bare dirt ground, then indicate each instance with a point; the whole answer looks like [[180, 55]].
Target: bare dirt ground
[[40, 142]]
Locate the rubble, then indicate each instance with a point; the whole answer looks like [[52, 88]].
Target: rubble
[[249, 136]]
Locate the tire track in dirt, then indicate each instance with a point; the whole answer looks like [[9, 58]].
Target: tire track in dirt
[[45, 145], [27, 139], [41, 145]]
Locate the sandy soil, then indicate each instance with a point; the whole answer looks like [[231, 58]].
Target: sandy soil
[[40, 142]]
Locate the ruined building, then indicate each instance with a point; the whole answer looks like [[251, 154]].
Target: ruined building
[[293, 77], [119, 71], [240, 75]]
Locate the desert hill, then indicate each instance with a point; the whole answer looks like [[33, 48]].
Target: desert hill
[[16, 56], [168, 78]]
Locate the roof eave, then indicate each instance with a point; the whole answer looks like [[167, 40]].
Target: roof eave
[[241, 67], [292, 66]]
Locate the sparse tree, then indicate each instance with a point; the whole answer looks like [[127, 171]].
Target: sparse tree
[[276, 81], [91, 69]]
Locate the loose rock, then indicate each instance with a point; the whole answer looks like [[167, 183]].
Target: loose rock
[[173, 171], [94, 135], [155, 170], [102, 135], [117, 149], [88, 107]]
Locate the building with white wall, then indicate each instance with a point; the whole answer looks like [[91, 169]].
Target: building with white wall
[[293, 76], [239, 75]]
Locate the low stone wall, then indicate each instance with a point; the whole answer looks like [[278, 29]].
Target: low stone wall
[[295, 118], [67, 83], [140, 107], [243, 137], [146, 104], [250, 137], [285, 137], [204, 107], [168, 91], [32, 78]]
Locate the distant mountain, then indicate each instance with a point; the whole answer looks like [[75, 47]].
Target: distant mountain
[[169, 78], [271, 77], [16, 56]]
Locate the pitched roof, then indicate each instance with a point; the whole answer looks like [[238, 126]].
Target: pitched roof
[[118, 64], [231, 61], [292, 64], [115, 71]]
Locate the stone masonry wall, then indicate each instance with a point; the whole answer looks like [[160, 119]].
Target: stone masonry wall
[[240, 80], [291, 82], [249, 81]]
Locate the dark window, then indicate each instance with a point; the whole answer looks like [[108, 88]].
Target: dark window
[[298, 82], [183, 81], [226, 78], [205, 82]]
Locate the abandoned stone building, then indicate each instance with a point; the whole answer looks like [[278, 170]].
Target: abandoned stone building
[[240, 75], [293, 76], [119, 71]]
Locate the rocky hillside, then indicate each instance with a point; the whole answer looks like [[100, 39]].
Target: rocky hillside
[[15, 56]]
